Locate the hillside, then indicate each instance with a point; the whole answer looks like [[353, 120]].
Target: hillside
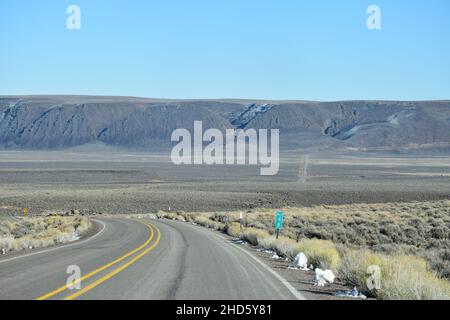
[[57, 122]]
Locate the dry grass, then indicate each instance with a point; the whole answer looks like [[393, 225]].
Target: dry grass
[[418, 228], [321, 253], [402, 277], [40, 232], [409, 241]]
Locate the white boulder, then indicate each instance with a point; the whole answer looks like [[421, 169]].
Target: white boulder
[[323, 277], [301, 261]]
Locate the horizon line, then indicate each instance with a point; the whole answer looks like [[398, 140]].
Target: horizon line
[[213, 99]]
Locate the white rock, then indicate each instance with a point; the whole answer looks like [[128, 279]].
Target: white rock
[[329, 276], [351, 294], [275, 256], [301, 261], [265, 251], [323, 277]]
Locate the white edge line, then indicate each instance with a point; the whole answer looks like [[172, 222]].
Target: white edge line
[[60, 247], [294, 291]]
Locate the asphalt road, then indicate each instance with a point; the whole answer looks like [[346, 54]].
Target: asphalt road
[[145, 259]]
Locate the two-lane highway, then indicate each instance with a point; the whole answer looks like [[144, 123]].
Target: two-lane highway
[[144, 259]]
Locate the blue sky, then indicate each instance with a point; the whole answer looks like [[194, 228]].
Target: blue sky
[[277, 49]]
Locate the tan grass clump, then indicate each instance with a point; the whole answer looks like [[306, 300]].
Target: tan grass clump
[[402, 277], [38, 232], [321, 253]]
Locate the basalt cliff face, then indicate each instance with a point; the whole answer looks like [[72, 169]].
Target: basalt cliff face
[[58, 122]]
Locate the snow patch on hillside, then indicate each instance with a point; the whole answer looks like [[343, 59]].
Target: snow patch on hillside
[[350, 133], [399, 116], [250, 113]]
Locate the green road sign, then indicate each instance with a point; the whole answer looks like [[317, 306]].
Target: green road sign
[[279, 220]]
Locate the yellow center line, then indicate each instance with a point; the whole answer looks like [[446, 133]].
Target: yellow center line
[[116, 271], [106, 266]]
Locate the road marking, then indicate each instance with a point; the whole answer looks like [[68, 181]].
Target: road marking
[[288, 286], [118, 270], [92, 273], [58, 248]]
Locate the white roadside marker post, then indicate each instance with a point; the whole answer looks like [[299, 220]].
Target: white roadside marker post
[[241, 219]]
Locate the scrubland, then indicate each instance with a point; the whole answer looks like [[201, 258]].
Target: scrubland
[[409, 242], [38, 232]]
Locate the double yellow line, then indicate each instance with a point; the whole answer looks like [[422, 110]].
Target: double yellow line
[[112, 273]]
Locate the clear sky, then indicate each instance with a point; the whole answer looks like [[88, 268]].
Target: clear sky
[[265, 49]]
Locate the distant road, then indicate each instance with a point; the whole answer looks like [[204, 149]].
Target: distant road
[[144, 259]]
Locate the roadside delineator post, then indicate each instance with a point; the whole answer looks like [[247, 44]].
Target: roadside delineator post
[[241, 219]]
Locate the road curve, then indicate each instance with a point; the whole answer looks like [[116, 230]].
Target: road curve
[[145, 259]]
